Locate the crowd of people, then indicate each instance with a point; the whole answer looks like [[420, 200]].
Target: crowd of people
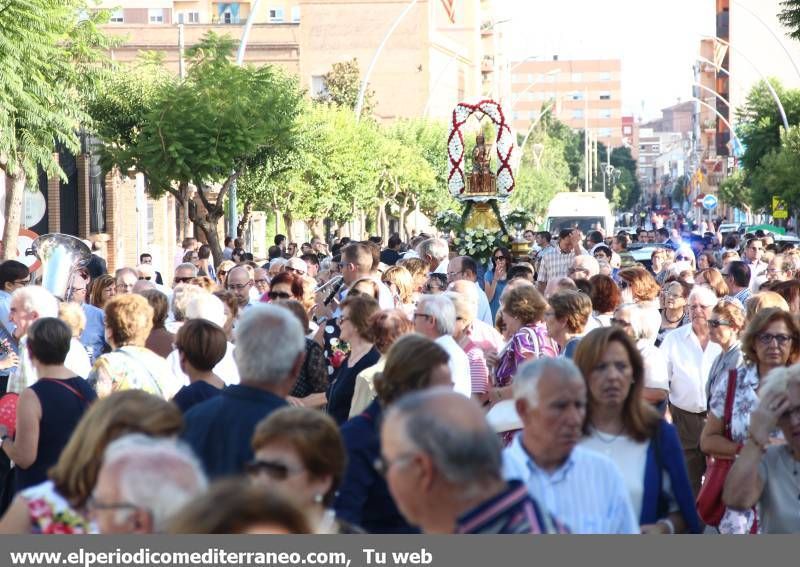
[[371, 387]]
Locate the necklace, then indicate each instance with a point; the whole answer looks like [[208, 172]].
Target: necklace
[[607, 438], [666, 317]]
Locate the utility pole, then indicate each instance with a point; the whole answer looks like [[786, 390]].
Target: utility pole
[[586, 140]]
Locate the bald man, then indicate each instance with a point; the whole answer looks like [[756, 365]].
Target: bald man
[[465, 268], [443, 466]]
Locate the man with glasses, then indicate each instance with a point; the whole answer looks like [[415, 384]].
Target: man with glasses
[[126, 278], [261, 281], [779, 269], [184, 274], [465, 268], [93, 336], [296, 266], [240, 283], [148, 259], [13, 275], [124, 499], [690, 353]]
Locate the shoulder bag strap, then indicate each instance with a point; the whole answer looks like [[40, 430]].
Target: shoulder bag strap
[[733, 375], [67, 386], [141, 364]]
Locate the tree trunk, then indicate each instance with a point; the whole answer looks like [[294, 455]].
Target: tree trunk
[[287, 222], [244, 220], [14, 195], [186, 232], [402, 218], [317, 228]]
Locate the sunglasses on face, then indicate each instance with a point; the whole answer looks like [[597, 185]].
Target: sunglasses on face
[[273, 295], [181, 280], [716, 323], [148, 278]]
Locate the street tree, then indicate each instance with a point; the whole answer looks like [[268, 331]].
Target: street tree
[[53, 56], [789, 16], [342, 85]]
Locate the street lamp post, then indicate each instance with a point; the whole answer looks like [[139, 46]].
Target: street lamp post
[[362, 91]]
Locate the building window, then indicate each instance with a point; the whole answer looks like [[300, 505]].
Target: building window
[[654, 148], [318, 86], [576, 95], [577, 114], [155, 15], [604, 132], [604, 113], [605, 95], [295, 14], [605, 76], [515, 116], [228, 13], [276, 15], [189, 18], [117, 16], [627, 130], [577, 77]]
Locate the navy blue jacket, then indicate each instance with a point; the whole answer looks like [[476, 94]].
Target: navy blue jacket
[[364, 499], [666, 454], [219, 430]]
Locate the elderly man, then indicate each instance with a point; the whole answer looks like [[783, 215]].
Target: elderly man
[[482, 334], [93, 336], [583, 267], [443, 464], [184, 274], [690, 353], [270, 349], [143, 483], [126, 278], [240, 282], [780, 269], [583, 489], [436, 253], [556, 261], [435, 318], [465, 268], [261, 280], [28, 304]]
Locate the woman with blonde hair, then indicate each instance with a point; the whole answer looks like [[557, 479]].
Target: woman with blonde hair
[[712, 278], [399, 281], [130, 365], [637, 285], [72, 314], [61, 504], [764, 300], [222, 271]]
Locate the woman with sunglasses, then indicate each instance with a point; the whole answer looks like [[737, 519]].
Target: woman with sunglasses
[[300, 453], [770, 341], [496, 277], [285, 285], [726, 323], [222, 271]]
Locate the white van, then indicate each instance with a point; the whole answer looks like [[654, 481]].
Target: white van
[[587, 211]]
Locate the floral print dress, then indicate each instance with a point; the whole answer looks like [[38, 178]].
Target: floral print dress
[[745, 400]]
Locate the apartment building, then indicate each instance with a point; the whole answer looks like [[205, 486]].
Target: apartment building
[[585, 94]]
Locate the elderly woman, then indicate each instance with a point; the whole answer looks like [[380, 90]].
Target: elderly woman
[[675, 312], [355, 331], [386, 328], [466, 312], [60, 504], [771, 340], [300, 452], [640, 321], [129, 320], [102, 290], [522, 317], [285, 285], [566, 319], [605, 298], [200, 345], [632, 434], [160, 340], [50, 409], [765, 474], [412, 363], [724, 325]]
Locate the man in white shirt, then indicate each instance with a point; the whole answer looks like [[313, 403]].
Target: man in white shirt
[[28, 304], [435, 318], [465, 268], [753, 251], [690, 354], [583, 489], [436, 253]]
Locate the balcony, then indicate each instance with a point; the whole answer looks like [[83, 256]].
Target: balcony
[[487, 28], [487, 64]]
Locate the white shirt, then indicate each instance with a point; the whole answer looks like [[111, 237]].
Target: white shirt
[[25, 375], [225, 368], [655, 366], [484, 310], [78, 359], [688, 366], [459, 365]]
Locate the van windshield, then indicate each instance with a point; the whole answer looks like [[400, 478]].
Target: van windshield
[[586, 224]]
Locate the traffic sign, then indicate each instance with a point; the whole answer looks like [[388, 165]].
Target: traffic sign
[[779, 208], [709, 202]]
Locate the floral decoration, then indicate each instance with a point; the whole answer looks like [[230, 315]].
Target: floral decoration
[[480, 243]]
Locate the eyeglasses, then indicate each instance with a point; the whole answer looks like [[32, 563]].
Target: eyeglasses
[[382, 464], [577, 269], [222, 272], [148, 278], [273, 469], [181, 280], [294, 271], [716, 323], [700, 307], [454, 275], [93, 503], [498, 258], [767, 338], [623, 284], [239, 287], [262, 281], [422, 315], [273, 295], [620, 322]]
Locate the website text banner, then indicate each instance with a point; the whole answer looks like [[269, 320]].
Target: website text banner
[[393, 551]]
